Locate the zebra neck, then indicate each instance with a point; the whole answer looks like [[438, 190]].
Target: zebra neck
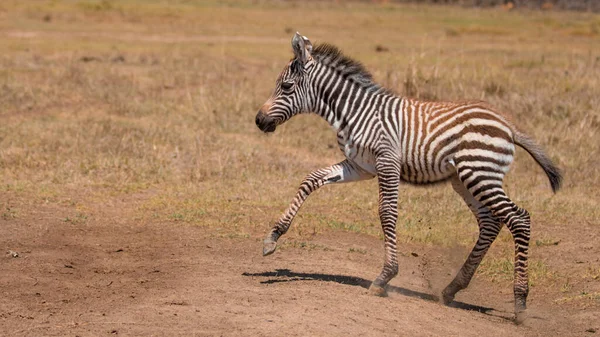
[[340, 100]]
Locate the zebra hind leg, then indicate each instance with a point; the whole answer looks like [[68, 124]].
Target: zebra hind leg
[[344, 171], [488, 191], [489, 227]]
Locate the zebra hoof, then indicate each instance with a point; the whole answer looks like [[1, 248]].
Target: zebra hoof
[[521, 317], [377, 291], [447, 297], [269, 247]]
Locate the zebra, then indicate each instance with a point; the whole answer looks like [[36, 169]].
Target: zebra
[[404, 140]]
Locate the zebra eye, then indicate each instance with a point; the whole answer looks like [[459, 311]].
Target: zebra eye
[[287, 85]]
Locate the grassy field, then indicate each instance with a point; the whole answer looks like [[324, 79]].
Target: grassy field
[[100, 100]]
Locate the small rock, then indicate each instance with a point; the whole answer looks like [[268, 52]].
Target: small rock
[[183, 303], [414, 254], [380, 49], [13, 254], [591, 330], [118, 59], [89, 59]]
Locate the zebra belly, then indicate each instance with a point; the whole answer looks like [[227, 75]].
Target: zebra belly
[[415, 173], [361, 157], [420, 172]]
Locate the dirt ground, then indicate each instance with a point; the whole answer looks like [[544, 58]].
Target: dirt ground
[[115, 275]]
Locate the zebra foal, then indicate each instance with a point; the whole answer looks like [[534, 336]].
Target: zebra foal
[[398, 139]]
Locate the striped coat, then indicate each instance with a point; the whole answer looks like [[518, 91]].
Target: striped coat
[[398, 139]]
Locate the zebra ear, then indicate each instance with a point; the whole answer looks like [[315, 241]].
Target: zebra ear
[[302, 47]]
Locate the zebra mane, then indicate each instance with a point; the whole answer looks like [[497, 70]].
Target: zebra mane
[[331, 56]]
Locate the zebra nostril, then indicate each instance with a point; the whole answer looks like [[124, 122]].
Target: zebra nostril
[[257, 121]]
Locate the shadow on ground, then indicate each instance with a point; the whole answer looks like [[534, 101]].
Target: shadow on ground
[[286, 275]]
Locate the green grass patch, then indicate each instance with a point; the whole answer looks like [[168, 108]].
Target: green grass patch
[[78, 218], [8, 213], [582, 296], [546, 242], [357, 250], [304, 245], [501, 269]]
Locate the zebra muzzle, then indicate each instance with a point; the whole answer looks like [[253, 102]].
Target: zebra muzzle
[[265, 123]]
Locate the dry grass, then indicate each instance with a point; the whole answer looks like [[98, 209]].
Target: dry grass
[[100, 99]]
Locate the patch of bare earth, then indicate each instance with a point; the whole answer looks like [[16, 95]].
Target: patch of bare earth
[[112, 274]]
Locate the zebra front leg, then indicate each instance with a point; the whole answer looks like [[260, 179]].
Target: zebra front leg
[[345, 171], [388, 173], [489, 227]]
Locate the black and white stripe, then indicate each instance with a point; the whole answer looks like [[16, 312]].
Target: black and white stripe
[[397, 139]]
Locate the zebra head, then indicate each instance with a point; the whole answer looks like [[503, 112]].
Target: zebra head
[[290, 96]]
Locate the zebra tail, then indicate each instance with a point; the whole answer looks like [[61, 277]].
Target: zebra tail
[[553, 172]]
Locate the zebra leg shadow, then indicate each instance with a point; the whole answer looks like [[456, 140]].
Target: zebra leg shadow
[[287, 275]]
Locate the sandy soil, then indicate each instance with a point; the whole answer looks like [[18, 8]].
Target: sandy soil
[[114, 275]]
